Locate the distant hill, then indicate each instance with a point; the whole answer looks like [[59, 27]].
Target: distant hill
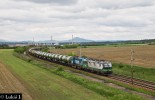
[[77, 40], [83, 41], [1, 40], [47, 41]]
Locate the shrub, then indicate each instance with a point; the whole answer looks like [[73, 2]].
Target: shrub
[[71, 46], [59, 69], [67, 46], [84, 56], [45, 49], [121, 65], [20, 49], [29, 60], [72, 54]]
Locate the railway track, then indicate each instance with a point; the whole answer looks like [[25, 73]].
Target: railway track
[[126, 79], [135, 81]]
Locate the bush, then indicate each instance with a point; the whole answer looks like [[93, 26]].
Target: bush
[[72, 54], [71, 46], [45, 49], [20, 50], [59, 69], [67, 46], [29, 60], [84, 56], [121, 65]]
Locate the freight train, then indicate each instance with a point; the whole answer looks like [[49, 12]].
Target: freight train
[[102, 67]]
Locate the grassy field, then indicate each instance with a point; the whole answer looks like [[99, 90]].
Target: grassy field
[[44, 84], [139, 72], [115, 45]]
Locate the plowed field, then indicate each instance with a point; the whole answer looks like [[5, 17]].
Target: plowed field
[[144, 55], [10, 84]]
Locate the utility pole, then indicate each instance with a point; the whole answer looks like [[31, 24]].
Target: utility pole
[[72, 39], [80, 51], [51, 43], [131, 62], [33, 41], [51, 39]]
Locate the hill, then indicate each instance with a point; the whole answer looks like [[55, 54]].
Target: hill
[[77, 40], [1, 40]]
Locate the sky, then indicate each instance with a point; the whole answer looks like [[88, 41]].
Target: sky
[[22, 20]]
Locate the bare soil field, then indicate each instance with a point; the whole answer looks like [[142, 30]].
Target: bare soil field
[[10, 84], [144, 55]]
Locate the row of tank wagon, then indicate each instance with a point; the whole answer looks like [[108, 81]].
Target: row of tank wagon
[[104, 67]]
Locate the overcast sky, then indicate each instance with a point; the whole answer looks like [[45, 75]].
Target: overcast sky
[[89, 19]]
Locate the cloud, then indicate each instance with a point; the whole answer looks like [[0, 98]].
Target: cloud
[[91, 19], [119, 4], [124, 21], [61, 2]]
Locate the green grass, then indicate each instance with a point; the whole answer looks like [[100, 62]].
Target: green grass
[[139, 72], [115, 45], [46, 63], [44, 85], [50, 83], [105, 79], [109, 92]]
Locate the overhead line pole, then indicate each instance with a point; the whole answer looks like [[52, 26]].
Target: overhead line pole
[[51, 43], [80, 51], [33, 41], [72, 39], [131, 62]]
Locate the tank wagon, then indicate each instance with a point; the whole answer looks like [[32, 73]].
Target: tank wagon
[[102, 67]]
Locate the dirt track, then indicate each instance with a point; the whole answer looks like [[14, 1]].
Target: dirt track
[[10, 84]]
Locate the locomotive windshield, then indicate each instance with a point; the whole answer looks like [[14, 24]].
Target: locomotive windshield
[[107, 64]]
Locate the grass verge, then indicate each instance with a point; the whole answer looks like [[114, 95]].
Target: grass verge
[[139, 72]]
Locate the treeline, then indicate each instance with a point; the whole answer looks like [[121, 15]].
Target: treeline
[[67, 46], [146, 41], [5, 46], [21, 49]]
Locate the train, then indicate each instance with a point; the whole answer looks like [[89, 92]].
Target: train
[[100, 66]]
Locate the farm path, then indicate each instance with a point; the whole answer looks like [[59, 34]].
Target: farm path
[[10, 84]]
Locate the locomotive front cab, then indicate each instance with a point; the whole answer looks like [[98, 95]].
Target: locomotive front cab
[[107, 67]]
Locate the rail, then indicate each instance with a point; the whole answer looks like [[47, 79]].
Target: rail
[[135, 81]]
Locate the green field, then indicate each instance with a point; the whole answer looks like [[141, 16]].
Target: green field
[[43, 84], [115, 45]]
